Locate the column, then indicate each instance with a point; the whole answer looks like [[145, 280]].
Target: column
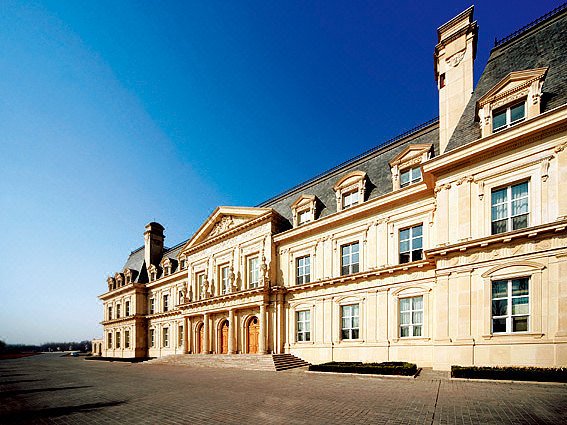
[[186, 334], [206, 348], [279, 321], [231, 332], [262, 342]]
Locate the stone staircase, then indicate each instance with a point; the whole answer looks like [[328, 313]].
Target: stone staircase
[[275, 362]]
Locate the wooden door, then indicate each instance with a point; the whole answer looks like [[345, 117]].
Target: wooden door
[[200, 340], [224, 338], [253, 333]]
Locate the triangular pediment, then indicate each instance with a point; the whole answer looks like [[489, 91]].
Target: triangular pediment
[[513, 81], [303, 200], [411, 152], [222, 220]]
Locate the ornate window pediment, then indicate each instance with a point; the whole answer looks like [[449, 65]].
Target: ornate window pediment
[[119, 279], [111, 283], [168, 265], [515, 98], [350, 190], [406, 166], [130, 276], [153, 272], [304, 209]]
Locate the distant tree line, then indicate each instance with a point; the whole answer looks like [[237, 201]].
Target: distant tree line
[[83, 346]]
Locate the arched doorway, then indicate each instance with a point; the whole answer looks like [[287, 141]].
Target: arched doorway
[[224, 337], [199, 339], [253, 331]]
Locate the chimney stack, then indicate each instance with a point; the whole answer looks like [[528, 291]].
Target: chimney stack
[[153, 243], [454, 57]]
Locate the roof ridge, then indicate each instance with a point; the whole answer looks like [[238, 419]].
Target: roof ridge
[[527, 27], [352, 160]]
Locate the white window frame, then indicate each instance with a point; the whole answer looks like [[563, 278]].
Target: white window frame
[[411, 179], [152, 337], [118, 339], [127, 338], [165, 337], [303, 269], [303, 326], [410, 240], [152, 306], [109, 312], [351, 265], [352, 317], [109, 340], [118, 310], [253, 271], [509, 218], [509, 306], [411, 325], [165, 302], [200, 279], [304, 217], [180, 335], [224, 278], [350, 199], [127, 308], [508, 111]]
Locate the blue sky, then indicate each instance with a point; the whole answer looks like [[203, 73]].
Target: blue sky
[[117, 113]]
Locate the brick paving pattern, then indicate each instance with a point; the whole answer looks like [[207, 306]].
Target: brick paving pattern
[[64, 390]]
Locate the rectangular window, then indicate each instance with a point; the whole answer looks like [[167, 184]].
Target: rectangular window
[[165, 337], [201, 285], [180, 336], [152, 338], [349, 258], [350, 199], [510, 208], [152, 305], [118, 340], [411, 316], [510, 305], [118, 311], [349, 322], [109, 341], [506, 117], [224, 279], [109, 312], [182, 264], [127, 308], [303, 326], [180, 297], [303, 270], [304, 217], [411, 244], [165, 302], [409, 176], [126, 339], [253, 272]]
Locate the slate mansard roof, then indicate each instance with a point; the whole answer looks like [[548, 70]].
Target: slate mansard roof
[[542, 45]]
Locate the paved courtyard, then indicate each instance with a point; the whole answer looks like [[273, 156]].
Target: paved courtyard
[[65, 390]]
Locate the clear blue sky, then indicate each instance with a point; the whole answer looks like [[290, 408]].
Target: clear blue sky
[[116, 113]]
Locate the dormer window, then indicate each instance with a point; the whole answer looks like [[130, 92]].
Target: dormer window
[[153, 273], [410, 176], [303, 217], [303, 210], [506, 117], [350, 190]]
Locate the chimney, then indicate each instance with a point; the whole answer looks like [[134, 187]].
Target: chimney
[[454, 57], [153, 243]]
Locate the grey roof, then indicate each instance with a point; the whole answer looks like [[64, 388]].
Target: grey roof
[[374, 162], [541, 45], [136, 261]]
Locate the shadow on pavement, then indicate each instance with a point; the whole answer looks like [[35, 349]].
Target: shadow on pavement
[[12, 393]]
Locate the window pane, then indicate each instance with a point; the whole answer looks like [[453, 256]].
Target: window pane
[[354, 268], [355, 310], [499, 212], [404, 234], [499, 307], [520, 190], [404, 331], [520, 324], [404, 258], [405, 318], [418, 303], [499, 325], [354, 248], [417, 331], [416, 174], [355, 334], [416, 255], [404, 246], [498, 120], [520, 305], [417, 231], [499, 196], [417, 243], [307, 336], [499, 226], [517, 112], [299, 337], [404, 304], [345, 323], [520, 222], [345, 334], [500, 289], [355, 322], [405, 178], [520, 287], [417, 317]]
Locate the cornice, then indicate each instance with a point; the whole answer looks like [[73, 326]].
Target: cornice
[[223, 298], [516, 235], [132, 318], [137, 287]]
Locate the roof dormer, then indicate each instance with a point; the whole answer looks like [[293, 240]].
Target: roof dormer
[[406, 166], [304, 209], [517, 97], [350, 190], [168, 265]]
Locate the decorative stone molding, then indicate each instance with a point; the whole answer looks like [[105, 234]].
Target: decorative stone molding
[[354, 181], [410, 157], [305, 204]]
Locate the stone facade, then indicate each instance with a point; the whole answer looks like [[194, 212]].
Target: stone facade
[[446, 245]]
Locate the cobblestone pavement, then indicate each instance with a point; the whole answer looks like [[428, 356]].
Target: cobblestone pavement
[[65, 390]]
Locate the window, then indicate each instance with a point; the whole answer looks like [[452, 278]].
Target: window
[[118, 311], [165, 302], [201, 285], [253, 272], [127, 308], [506, 117], [109, 312], [152, 305], [510, 305], [349, 258], [165, 337], [410, 176], [350, 199], [117, 339], [510, 208], [152, 338], [349, 322], [126, 339], [182, 264], [303, 217], [411, 316], [180, 336], [303, 270], [109, 340], [303, 326], [180, 297], [224, 279], [411, 244]]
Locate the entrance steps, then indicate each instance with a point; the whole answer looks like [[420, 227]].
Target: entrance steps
[[274, 362]]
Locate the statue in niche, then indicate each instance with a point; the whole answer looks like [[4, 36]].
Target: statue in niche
[[206, 286], [232, 280], [238, 282], [188, 293], [264, 274], [212, 288]]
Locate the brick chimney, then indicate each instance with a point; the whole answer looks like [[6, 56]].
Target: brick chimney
[[454, 57], [153, 243]]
